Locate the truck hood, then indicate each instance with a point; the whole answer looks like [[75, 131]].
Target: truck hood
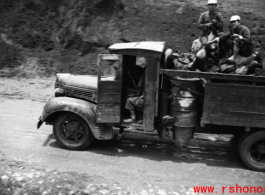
[[80, 81]]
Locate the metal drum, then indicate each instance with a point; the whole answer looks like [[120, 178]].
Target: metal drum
[[185, 108]]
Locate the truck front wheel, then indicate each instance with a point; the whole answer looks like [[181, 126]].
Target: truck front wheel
[[252, 150], [72, 131]]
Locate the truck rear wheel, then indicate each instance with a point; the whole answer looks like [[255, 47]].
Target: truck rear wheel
[[72, 131], [243, 136], [252, 150]]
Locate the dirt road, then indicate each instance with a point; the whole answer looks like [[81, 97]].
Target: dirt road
[[140, 166]]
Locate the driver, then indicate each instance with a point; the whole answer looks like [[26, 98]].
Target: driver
[[136, 101]]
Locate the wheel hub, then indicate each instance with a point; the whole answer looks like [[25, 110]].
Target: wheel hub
[[71, 127], [73, 131], [261, 148]]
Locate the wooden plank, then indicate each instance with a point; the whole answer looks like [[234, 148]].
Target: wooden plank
[[239, 100], [240, 85], [254, 92], [109, 85], [108, 113], [234, 107], [109, 91], [231, 77], [109, 102], [108, 105], [233, 114], [150, 93], [109, 97], [235, 89], [157, 88], [233, 122]]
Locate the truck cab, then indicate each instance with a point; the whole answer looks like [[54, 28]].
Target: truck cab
[[89, 106]]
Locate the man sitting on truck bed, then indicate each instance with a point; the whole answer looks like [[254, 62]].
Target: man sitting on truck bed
[[211, 25], [238, 40], [210, 21]]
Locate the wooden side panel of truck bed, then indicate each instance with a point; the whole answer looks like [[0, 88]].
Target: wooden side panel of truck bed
[[234, 104], [227, 103]]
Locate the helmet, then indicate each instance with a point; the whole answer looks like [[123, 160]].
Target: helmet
[[235, 18], [212, 2]]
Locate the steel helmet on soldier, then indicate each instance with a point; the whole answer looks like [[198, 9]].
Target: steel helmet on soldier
[[212, 1]]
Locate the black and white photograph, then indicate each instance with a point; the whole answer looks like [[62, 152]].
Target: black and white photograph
[[132, 97]]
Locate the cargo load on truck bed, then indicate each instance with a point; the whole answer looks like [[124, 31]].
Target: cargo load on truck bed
[[203, 62]]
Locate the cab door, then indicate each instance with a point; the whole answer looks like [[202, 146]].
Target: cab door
[[109, 88]]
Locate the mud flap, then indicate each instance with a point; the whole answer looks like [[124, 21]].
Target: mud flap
[[39, 123]]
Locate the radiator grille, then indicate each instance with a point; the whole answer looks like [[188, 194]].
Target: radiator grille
[[81, 93]]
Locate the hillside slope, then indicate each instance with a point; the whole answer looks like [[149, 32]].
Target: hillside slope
[[41, 37]]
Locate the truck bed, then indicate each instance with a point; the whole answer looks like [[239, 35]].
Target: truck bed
[[234, 100], [207, 75]]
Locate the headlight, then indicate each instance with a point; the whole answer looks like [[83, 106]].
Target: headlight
[[59, 92]]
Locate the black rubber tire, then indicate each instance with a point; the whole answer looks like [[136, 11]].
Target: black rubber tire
[[82, 136], [248, 150], [242, 137]]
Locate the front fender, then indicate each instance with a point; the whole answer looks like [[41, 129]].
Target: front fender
[[86, 110], [80, 107]]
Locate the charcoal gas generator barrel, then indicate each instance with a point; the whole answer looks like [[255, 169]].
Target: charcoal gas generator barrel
[[185, 108]]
